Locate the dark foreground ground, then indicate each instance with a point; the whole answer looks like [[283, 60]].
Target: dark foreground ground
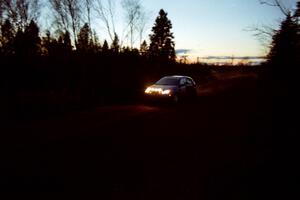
[[215, 148]]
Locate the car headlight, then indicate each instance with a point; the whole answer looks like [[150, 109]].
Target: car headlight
[[166, 92], [151, 90], [148, 90]]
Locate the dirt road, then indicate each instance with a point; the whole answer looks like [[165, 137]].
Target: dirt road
[[215, 148]]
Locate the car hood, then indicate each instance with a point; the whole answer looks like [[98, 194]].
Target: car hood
[[165, 87]]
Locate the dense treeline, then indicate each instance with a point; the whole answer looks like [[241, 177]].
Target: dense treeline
[[284, 55], [71, 67], [67, 63]]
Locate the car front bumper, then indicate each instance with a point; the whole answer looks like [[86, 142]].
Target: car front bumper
[[158, 97]]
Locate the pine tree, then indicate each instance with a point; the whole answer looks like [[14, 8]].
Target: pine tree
[[32, 39], [67, 42], [105, 47], [115, 46], [284, 50], [144, 48], [84, 38], [284, 55], [7, 37], [162, 45], [28, 43], [46, 43], [95, 43], [19, 47]]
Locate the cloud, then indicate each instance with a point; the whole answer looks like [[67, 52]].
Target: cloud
[[183, 51], [234, 57]]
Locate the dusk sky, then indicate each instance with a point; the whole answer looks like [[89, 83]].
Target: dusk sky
[[207, 27], [218, 27]]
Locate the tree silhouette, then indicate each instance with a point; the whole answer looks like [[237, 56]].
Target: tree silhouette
[[133, 12], [142, 24], [67, 14], [84, 38], [106, 12], [162, 44], [277, 3], [89, 4], [20, 12], [74, 11], [7, 37], [27, 44], [144, 48], [67, 44], [284, 56], [57, 48], [297, 12], [60, 17], [32, 39], [115, 46], [96, 47], [19, 47], [49, 44], [105, 47], [284, 47]]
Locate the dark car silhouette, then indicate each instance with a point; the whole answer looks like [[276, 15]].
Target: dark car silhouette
[[175, 88]]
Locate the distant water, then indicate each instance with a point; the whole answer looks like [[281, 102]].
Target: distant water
[[224, 60], [233, 61]]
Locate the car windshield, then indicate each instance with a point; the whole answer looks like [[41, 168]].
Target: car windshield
[[167, 81]]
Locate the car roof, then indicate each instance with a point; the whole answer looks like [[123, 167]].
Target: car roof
[[177, 76]]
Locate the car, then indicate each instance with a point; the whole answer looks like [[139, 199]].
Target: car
[[174, 88]]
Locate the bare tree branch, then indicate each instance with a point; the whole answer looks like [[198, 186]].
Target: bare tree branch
[[265, 33], [67, 15], [111, 9], [89, 4], [22, 7], [73, 9], [133, 11], [20, 12], [267, 3], [262, 31], [142, 24], [276, 3], [106, 15], [61, 18]]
